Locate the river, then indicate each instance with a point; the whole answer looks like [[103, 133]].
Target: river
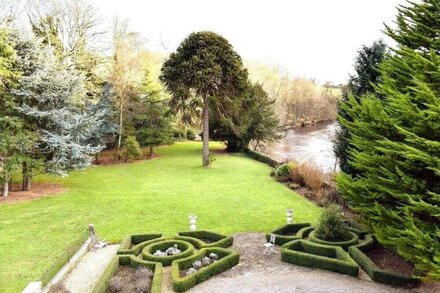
[[312, 144]]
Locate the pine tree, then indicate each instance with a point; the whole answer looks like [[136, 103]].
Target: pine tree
[[396, 139], [361, 83]]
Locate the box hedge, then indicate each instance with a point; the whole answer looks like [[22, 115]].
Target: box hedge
[[261, 158], [377, 274], [344, 244], [227, 259], [301, 231], [148, 251], [129, 260], [196, 238], [315, 255], [136, 241]]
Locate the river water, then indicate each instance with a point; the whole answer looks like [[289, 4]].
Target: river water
[[313, 144]]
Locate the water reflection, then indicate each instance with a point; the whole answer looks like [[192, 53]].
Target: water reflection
[[306, 144]]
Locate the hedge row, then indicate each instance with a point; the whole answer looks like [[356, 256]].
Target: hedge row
[[227, 259], [138, 241], [302, 230], [148, 252], [196, 238], [129, 260], [261, 158], [344, 244], [314, 255], [372, 270]]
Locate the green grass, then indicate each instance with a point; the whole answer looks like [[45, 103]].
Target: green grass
[[235, 194]]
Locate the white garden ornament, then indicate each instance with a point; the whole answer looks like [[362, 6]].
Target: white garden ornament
[[192, 222]]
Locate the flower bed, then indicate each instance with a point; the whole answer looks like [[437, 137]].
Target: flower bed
[[314, 255], [132, 261], [182, 282], [290, 232], [186, 248], [359, 254], [344, 244], [203, 238]]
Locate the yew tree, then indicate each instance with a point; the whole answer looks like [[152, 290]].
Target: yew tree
[[205, 70]]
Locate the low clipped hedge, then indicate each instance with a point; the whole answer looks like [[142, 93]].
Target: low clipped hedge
[[186, 248], [196, 238], [373, 271], [315, 255], [227, 259], [302, 230], [135, 240], [261, 157], [344, 244], [129, 260]]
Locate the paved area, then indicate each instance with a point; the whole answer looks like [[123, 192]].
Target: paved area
[[257, 272], [85, 275]]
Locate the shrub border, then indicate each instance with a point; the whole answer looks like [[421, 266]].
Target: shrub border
[[331, 258], [167, 260], [137, 240], [377, 274], [131, 260], [280, 239], [344, 244], [229, 259], [224, 242]]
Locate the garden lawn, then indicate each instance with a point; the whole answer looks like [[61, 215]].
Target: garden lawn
[[235, 194]]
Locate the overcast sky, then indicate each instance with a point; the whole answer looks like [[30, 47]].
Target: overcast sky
[[312, 38]]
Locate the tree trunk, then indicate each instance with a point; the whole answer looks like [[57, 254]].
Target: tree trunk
[[151, 151], [26, 184], [205, 121], [5, 191], [97, 158], [120, 127]]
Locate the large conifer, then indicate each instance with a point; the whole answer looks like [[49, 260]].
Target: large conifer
[[397, 142]]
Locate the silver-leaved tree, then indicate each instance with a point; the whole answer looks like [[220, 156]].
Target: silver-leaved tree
[[52, 96]]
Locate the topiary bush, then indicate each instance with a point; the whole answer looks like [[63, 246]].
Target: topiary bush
[[282, 171], [227, 259], [331, 225], [290, 232], [205, 238], [353, 240], [314, 255], [132, 150], [186, 248], [377, 274], [133, 244]]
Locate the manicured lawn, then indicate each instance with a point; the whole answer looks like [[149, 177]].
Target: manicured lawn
[[235, 194]]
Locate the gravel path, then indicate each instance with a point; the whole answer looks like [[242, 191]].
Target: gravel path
[[257, 272], [86, 274]]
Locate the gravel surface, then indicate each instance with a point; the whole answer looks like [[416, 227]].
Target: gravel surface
[[86, 274], [257, 272]]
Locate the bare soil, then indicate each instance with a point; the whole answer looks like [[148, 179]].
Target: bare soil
[[390, 261], [38, 190], [128, 280]]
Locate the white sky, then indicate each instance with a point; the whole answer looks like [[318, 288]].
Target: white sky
[[312, 38]]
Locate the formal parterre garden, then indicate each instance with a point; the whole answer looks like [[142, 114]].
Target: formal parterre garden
[[194, 257], [236, 194]]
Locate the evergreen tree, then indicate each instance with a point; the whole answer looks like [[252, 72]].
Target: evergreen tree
[[153, 126], [53, 97], [361, 83], [205, 68], [396, 139], [250, 117]]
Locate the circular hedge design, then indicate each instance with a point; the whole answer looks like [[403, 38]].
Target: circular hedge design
[[186, 248], [344, 244]]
